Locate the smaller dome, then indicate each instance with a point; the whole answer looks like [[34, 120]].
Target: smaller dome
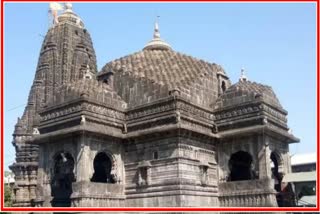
[[246, 91]]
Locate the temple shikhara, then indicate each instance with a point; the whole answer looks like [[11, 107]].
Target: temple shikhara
[[154, 128]]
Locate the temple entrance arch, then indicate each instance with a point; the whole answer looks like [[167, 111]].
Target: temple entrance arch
[[63, 176]]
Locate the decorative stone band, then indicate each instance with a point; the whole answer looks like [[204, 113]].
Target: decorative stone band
[[81, 112], [250, 115], [268, 110], [97, 202], [172, 110], [242, 187], [260, 129], [249, 193], [169, 113], [249, 200], [77, 106], [170, 103]]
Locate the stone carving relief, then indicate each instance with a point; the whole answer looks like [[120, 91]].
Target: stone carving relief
[[35, 131], [204, 174], [83, 106], [144, 173]]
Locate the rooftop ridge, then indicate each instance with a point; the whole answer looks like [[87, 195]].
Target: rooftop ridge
[[88, 88]]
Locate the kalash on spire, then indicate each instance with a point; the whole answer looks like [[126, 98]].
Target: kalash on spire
[[67, 15], [157, 42]]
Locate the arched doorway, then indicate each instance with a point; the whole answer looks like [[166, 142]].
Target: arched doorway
[[284, 193], [276, 176], [63, 176], [240, 167], [102, 165]]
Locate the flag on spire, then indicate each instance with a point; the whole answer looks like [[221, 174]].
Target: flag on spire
[[54, 7]]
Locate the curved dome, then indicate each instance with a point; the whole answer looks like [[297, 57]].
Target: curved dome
[[149, 75], [158, 70], [166, 67], [246, 91]]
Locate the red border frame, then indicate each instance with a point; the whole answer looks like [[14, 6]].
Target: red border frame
[[113, 209]]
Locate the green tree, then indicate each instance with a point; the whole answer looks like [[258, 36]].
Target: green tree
[[7, 196]]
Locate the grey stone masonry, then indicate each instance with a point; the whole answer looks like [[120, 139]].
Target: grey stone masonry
[[156, 128]]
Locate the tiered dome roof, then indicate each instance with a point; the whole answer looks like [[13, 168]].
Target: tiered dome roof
[[155, 71]]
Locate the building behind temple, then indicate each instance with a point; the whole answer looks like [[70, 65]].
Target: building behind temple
[[303, 179], [153, 128]]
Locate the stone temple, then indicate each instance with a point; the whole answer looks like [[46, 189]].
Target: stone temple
[[154, 128]]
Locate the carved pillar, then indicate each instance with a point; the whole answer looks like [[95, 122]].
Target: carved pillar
[[148, 175], [264, 158], [84, 164], [42, 179], [33, 183], [18, 195]]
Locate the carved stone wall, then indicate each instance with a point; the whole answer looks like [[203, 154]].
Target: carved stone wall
[[149, 75], [183, 169], [167, 125]]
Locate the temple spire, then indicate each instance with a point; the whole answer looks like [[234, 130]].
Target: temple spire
[[156, 34], [157, 43], [243, 76]]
